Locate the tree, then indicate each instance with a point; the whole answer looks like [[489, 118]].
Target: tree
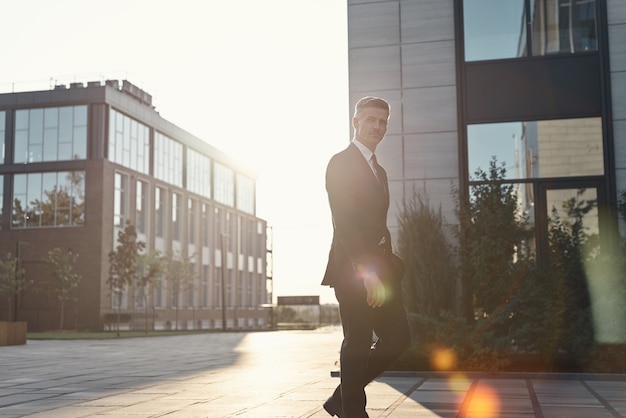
[[60, 265], [181, 279], [149, 267], [496, 236], [428, 284], [12, 281], [123, 271]]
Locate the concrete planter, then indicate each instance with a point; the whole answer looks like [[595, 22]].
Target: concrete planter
[[12, 333]]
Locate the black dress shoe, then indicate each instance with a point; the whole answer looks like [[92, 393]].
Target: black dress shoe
[[332, 408]]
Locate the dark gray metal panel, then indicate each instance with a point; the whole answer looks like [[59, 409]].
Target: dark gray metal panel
[[533, 89]]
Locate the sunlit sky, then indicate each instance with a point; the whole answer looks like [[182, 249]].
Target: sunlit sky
[[265, 81]]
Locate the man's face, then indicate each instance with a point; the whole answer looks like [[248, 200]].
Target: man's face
[[370, 126]]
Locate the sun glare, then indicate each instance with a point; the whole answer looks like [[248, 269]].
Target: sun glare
[[485, 402]]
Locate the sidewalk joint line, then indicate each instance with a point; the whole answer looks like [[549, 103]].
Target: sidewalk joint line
[[603, 401], [402, 398], [466, 401], [533, 399]]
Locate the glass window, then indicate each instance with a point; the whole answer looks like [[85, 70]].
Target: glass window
[[224, 184], [129, 142], [245, 194], [494, 29], [565, 204], [48, 199], [141, 209], [177, 216], [538, 149], [120, 200], [192, 230], [51, 134], [1, 198], [217, 218], [497, 29], [206, 226], [206, 288], [160, 204], [2, 136], [231, 232], [198, 173], [219, 278], [564, 26], [168, 160]]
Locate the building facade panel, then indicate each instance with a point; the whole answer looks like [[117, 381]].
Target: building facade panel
[[375, 68], [431, 156], [375, 24], [439, 193], [429, 109], [617, 33], [619, 133], [618, 84], [428, 64], [616, 12], [427, 20], [390, 155]]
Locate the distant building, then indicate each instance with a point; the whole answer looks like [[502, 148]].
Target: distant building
[[79, 162], [539, 84]]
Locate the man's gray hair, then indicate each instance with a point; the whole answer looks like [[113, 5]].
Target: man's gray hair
[[371, 101]]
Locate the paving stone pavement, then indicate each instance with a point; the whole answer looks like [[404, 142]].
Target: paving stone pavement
[[267, 375]]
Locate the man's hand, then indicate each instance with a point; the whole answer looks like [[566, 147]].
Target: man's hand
[[375, 290]]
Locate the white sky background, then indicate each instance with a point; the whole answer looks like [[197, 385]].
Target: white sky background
[[264, 80]]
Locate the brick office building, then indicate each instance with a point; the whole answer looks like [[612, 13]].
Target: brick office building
[[79, 162]]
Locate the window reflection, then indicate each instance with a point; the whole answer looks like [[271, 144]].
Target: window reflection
[[497, 29], [120, 200], [51, 134], [198, 173], [494, 29], [224, 184], [141, 207], [168, 160], [245, 194], [160, 205], [48, 199], [564, 26], [129, 142], [538, 149]]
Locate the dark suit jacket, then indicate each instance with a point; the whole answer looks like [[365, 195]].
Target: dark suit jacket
[[359, 204]]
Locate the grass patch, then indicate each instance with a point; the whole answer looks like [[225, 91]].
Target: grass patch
[[103, 335]]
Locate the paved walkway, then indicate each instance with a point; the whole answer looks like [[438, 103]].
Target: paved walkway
[[266, 375]]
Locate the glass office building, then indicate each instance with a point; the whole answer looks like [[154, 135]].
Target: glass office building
[[79, 163], [538, 84]]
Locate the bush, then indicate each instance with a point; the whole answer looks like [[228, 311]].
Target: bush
[[524, 315]]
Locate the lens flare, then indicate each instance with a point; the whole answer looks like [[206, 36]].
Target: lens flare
[[443, 359], [459, 382], [485, 402]]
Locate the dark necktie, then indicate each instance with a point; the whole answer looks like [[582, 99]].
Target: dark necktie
[[377, 169]]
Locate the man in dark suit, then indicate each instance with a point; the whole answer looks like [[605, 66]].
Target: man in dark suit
[[361, 268]]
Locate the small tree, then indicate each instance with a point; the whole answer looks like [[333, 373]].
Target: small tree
[[149, 267], [123, 266], [180, 278], [60, 265], [12, 282], [496, 234], [428, 284]]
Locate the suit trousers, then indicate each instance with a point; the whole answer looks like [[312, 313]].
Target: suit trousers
[[362, 357]]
